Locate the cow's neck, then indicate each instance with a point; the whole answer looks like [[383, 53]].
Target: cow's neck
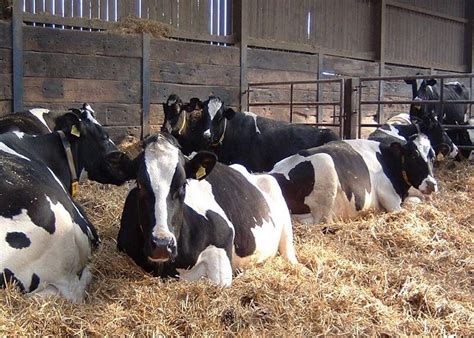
[[394, 168], [53, 154]]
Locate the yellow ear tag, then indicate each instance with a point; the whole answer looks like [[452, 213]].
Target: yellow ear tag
[[74, 188], [75, 131], [200, 173]]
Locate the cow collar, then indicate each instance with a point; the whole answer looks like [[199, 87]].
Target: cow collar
[[70, 162], [182, 117], [404, 173], [219, 142]]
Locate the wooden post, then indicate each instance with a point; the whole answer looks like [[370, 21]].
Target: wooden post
[[240, 30], [382, 13], [470, 36], [17, 54], [350, 111], [319, 94], [145, 85]]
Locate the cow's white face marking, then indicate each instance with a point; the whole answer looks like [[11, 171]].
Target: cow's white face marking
[[19, 134], [207, 133], [429, 181], [90, 114], [430, 89], [254, 116], [213, 107], [39, 114], [161, 160], [423, 144], [7, 149]]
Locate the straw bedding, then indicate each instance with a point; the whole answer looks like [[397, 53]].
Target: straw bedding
[[409, 272]]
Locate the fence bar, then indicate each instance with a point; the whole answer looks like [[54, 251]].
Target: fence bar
[[17, 54], [417, 102], [261, 84], [145, 85], [304, 104], [424, 77], [291, 103]]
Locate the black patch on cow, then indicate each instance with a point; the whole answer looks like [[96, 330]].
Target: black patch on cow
[[17, 240], [351, 169], [243, 204], [7, 276], [299, 186], [276, 140], [35, 280]]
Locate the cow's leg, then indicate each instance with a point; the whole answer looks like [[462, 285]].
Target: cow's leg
[[286, 247], [212, 263], [72, 287]]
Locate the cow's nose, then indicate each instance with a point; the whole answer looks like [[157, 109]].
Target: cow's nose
[[162, 249]]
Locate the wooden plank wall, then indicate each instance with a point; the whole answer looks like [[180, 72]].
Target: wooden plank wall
[[64, 68], [5, 67]]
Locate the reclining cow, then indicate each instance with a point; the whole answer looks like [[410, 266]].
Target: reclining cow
[[340, 179], [449, 113], [244, 138], [394, 132], [46, 239], [182, 219]]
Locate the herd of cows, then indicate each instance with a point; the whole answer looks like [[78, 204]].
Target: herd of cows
[[214, 190]]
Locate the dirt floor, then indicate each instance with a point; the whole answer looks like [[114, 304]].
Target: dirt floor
[[409, 272]]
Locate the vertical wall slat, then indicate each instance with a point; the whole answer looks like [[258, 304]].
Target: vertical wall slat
[[94, 4], [67, 8], [144, 11], [77, 8], [17, 56], [111, 9], [29, 6], [103, 9], [58, 7], [39, 6]]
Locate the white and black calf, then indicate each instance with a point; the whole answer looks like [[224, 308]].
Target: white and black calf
[[182, 219], [340, 179], [394, 132], [243, 138], [45, 237]]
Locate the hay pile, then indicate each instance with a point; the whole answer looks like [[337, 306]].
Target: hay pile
[[134, 25], [401, 273]]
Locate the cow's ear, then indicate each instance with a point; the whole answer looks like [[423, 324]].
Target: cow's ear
[[229, 113], [194, 104], [69, 123], [431, 82], [200, 165], [172, 106], [396, 148]]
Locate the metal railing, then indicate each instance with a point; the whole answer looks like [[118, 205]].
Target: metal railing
[[337, 118]]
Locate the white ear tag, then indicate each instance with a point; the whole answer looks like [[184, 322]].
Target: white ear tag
[[75, 131], [200, 173]]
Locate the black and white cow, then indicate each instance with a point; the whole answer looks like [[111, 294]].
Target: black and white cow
[[183, 218], [395, 132], [45, 237], [449, 113], [342, 178], [243, 137], [36, 121]]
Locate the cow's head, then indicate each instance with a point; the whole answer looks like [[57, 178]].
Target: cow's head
[[423, 90], [162, 173], [440, 141], [416, 158], [95, 151], [186, 122], [219, 116]]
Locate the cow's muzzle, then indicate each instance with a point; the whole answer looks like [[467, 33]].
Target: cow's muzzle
[[428, 186], [162, 249]]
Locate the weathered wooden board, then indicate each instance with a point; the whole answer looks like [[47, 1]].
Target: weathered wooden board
[[58, 65], [6, 87], [108, 114], [5, 61], [270, 75], [117, 134], [81, 90], [6, 106], [194, 73], [266, 59], [161, 91], [83, 43], [5, 34], [189, 52]]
